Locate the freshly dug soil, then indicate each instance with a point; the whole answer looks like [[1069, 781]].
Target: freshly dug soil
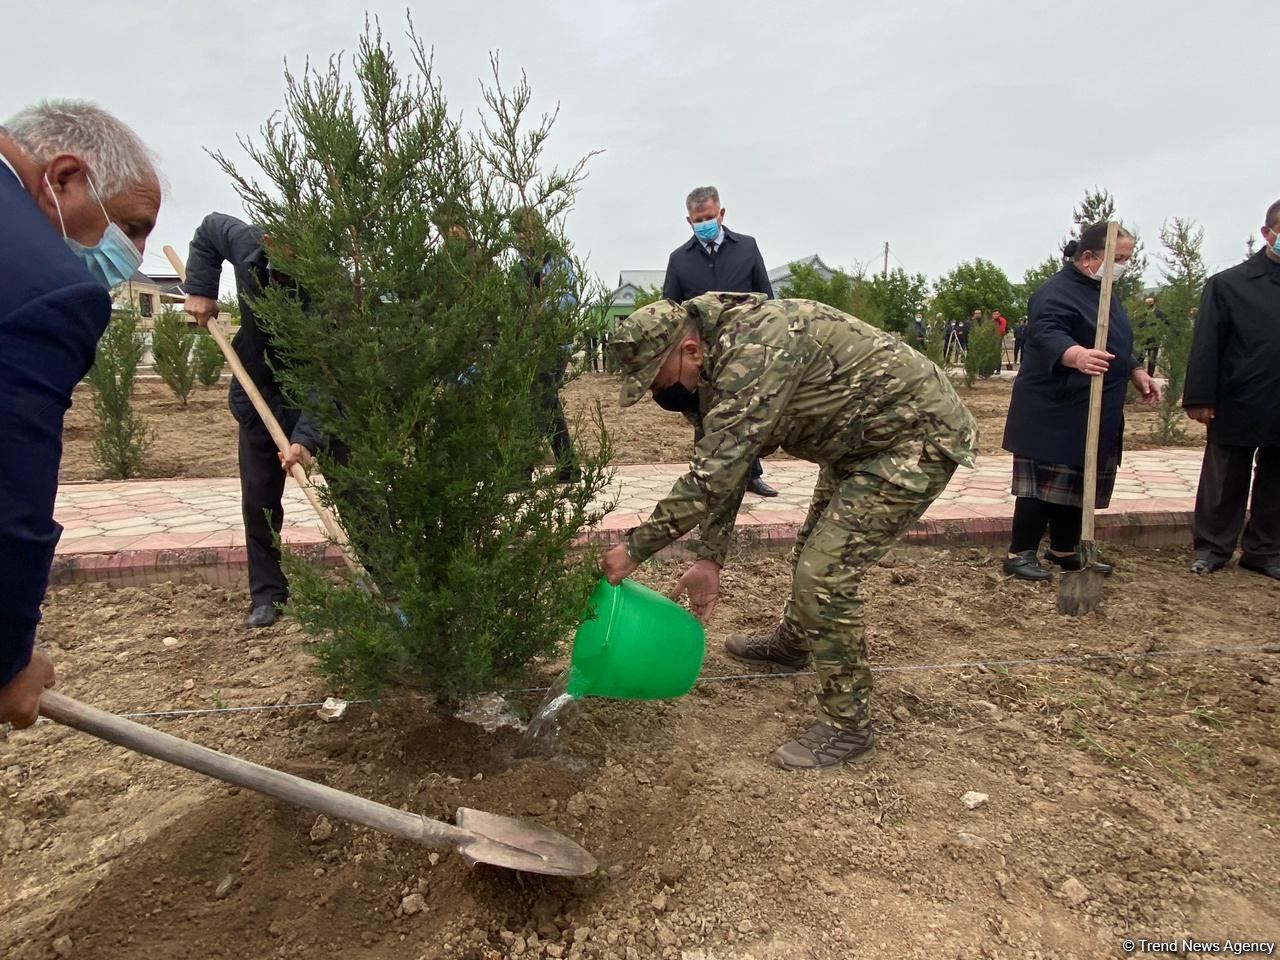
[[1136, 798], [200, 441]]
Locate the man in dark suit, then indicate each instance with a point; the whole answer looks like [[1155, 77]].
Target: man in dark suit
[[222, 238], [717, 259], [78, 198], [1232, 387]]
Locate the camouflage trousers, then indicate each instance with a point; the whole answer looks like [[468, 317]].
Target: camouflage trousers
[[854, 518]]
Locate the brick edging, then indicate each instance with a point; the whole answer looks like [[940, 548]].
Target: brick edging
[[227, 564]]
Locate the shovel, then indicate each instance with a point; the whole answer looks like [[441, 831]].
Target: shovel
[[1080, 591], [327, 519], [479, 837]]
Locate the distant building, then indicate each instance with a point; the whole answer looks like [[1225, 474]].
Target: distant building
[[148, 294]]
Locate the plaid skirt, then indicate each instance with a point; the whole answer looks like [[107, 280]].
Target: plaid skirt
[[1063, 485]]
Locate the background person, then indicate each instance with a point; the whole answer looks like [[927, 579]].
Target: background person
[[1048, 413], [79, 196], [716, 258], [1233, 387], [222, 238]]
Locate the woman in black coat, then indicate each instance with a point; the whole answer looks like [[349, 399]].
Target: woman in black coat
[[1048, 414]]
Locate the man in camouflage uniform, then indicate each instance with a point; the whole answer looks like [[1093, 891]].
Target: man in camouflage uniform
[[882, 422]]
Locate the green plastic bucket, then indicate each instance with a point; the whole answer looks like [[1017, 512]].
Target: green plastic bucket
[[637, 645]]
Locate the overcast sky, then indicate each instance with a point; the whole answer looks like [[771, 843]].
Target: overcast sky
[[953, 130]]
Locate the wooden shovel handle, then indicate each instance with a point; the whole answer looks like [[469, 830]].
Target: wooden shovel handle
[[1090, 493], [251, 776], [327, 519]]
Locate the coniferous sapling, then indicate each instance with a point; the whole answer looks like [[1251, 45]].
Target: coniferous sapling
[[430, 284], [1185, 276], [172, 343], [122, 439], [209, 360]]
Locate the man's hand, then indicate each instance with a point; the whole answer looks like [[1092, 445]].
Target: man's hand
[[1086, 360], [20, 697], [617, 565], [702, 582], [297, 454], [203, 309], [1149, 389], [1200, 414]]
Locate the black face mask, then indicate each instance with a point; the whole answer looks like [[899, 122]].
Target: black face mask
[[677, 398]]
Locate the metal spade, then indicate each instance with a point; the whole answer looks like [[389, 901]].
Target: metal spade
[[479, 837]]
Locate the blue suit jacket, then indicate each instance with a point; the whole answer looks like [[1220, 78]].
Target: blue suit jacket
[[51, 316], [736, 268]]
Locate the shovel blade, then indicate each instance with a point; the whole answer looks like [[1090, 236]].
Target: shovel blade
[[521, 845], [1080, 591]]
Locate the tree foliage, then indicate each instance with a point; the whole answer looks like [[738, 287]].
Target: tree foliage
[[172, 343], [122, 439], [849, 293], [1033, 278], [976, 285], [1185, 275], [898, 297], [441, 286], [982, 359]]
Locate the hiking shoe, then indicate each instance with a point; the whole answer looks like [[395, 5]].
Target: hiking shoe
[[766, 650], [825, 745]]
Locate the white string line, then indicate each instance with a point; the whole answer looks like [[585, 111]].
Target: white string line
[[725, 677]]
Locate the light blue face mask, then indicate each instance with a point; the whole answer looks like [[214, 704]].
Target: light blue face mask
[[113, 259], [707, 230], [1275, 245]]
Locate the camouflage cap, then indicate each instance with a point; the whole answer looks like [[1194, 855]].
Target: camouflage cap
[[640, 344]]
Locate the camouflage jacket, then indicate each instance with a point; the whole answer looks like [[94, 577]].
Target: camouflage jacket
[[815, 382]]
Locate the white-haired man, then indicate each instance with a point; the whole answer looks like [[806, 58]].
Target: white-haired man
[[79, 195]]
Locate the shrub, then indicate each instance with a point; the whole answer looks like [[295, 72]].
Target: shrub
[[172, 341], [122, 439]]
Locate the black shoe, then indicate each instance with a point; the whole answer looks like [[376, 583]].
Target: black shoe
[[1075, 561], [760, 488], [1025, 566], [262, 616], [569, 474], [767, 650], [1201, 566], [1268, 568]]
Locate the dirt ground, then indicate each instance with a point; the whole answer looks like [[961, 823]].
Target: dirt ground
[[200, 441], [1132, 799]]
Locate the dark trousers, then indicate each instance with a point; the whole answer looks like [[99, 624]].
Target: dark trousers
[[757, 468], [1031, 517], [1222, 498], [261, 492], [1017, 351], [547, 396]]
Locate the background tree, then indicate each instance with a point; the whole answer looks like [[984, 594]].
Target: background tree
[[979, 285], [982, 359], [646, 296], [1032, 280], [1184, 276], [122, 439], [209, 360], [419, 355], [846, 292], [1099, 205], [230, 306], [898, 297], [172, 343]]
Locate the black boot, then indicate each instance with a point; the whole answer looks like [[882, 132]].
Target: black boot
[[263, 615]]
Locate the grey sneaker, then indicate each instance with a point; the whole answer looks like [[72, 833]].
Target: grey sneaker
[[825, 745], [766, 650]]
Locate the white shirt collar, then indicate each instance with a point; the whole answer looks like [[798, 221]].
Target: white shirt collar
[[12, 169]]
